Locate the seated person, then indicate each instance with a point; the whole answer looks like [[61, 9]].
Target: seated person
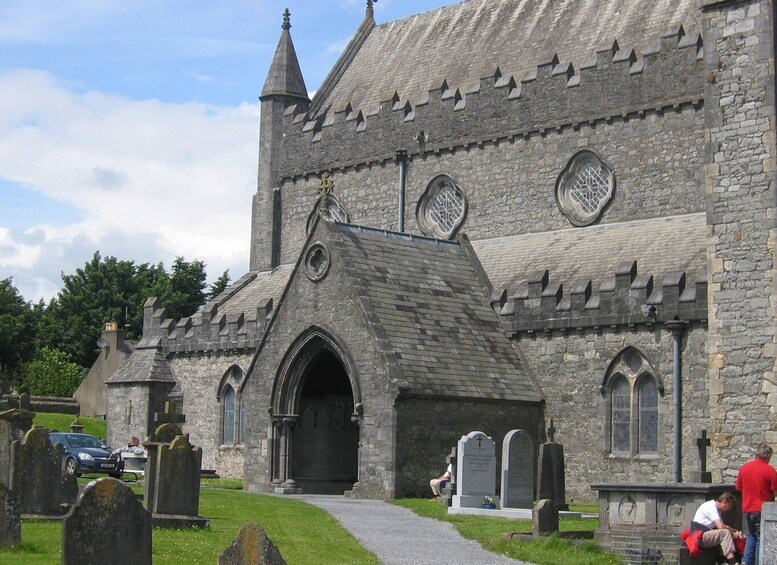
[[708, 530], [439, 483], [133, 447]]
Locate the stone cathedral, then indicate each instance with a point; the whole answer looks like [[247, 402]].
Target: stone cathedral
[[491, 215]]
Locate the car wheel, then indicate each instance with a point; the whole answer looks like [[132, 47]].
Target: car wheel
[[71, 467]]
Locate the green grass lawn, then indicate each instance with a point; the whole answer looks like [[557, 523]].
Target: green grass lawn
[[61, 423]]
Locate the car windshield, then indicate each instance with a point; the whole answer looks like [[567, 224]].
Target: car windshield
[[84, 441]]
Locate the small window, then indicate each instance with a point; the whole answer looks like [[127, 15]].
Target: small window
[[231, 406], [648, 416], [584, 188], [442, 208], [621, 415], [229, 416]]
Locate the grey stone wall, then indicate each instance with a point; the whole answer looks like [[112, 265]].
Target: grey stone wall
[[131, 408], [199, 376], [427, 429], [740, 192], [571, 367], [510, 185]]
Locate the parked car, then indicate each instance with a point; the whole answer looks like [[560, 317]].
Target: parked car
[[85, 453]]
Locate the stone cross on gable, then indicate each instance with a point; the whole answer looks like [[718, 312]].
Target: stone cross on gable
[[325, 188], [168, 416], [551, 432]]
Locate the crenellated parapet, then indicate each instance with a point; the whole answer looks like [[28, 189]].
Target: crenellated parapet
[[207, 330], [667, 77], [625, 300]]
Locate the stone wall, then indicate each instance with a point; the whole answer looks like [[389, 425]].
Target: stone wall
[[427, 429], [570, 369], [740, 191], [131, 409]]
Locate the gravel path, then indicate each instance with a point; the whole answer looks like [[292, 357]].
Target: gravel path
[[400, 537]]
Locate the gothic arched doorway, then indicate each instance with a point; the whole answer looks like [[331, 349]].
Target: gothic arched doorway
[[316, 411]]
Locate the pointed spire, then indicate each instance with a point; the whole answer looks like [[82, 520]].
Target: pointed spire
[[285, 76], [370, 10]]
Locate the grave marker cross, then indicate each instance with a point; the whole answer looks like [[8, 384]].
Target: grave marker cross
[[703, 442], [168, 416], [551, 432]]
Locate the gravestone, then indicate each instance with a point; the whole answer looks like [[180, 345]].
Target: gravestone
[[36, 473], [10, 519], [164, 434], [446, 499], [768, 547], [14, 424], [544, 518], [475, 470], [251, 547], [517, 470], [176, 498], [76, 426], [107, 524], [24, 401], [551, 482]]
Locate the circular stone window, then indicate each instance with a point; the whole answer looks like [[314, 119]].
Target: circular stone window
[[442, 208], [317, 262], [584, 188]]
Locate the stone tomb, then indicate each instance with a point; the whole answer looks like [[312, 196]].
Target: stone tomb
[[10, 519], [251, 547], [517, 470], [37, 475], [475, 471], [768, 547], [107, 524]]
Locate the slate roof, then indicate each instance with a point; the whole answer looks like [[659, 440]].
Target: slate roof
[[253, 288], [464, 42], [659, 246], [146, 364], [430, 311]]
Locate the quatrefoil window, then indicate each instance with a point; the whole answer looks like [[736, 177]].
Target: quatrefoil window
[[584, 188], [317, 262], [442, 208]]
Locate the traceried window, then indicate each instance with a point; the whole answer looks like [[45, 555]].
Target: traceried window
[[632, 391], [584, 188], [442, 208], [336, 212], [231, 407]]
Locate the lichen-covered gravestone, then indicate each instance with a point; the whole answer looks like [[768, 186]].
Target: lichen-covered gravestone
[[544, 518], [251, 547], [10, 519], [14, 424], [36, 473], [107, 525]]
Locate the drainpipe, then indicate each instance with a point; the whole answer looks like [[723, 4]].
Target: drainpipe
[[402, 160], [677, 329]]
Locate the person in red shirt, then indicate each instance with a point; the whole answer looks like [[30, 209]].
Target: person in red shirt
[[758, 482]]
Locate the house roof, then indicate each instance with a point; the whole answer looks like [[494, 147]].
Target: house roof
[[659, 246], [428, 305], [467, 41], [146, 364]]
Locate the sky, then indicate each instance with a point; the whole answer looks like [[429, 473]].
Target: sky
[[131, 128]]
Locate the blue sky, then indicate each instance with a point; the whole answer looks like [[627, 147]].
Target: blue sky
[[131, 127]]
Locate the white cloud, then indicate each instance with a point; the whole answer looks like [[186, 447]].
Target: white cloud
[[178, 177]]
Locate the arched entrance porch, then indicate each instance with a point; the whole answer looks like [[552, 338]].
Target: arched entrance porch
[[316, 415]]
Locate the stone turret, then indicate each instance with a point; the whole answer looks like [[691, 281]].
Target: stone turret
[[283, 87]]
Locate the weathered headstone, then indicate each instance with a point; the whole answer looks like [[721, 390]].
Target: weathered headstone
[[517, 470], [107, 524], [551, 482], [164, 434], [14, 424], [251, 547], [24, 401], [76, 426], [10, 519], [475, 470], [767, 550], [36, 473], [178, 478], [544, 518]]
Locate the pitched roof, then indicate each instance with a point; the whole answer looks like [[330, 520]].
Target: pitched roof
[[429, 308], [284, 77], [659, 246], [465, 42], [146, 364]]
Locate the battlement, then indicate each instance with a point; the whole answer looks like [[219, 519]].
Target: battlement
[[668, 76], [207, 330], [625, 299]]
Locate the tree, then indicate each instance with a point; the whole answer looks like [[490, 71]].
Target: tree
[[219, 285], [52, 373], [17, 332]]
